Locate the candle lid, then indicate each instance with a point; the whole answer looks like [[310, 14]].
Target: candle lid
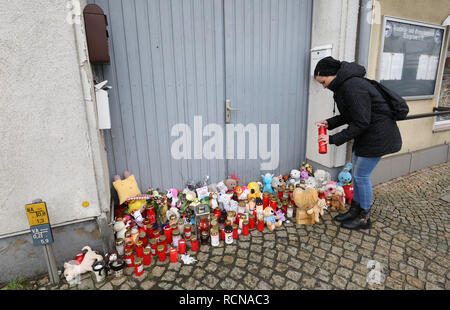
[[153, 241], [128, 252], [127, 234], [214, 233], [193, 238], [137, 261], [228, 229], [162, 238], [160, 248], [174, 226], [235, 226], [139, 243], [176, 232], [245, 222], [147, 250], [266, 194], [204, 233], [180, 221], [129, 243], [119, 241], [142, 234], [252, 216], [149, 207], [117, 265], [187, 226]]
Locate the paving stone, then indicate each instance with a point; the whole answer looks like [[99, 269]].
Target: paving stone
[[107, 287], [228, 284], [293, 275], [227, 259], [146, 285], [169, 276], [158, 271], [186, 270], [118, 281], [210, 281]]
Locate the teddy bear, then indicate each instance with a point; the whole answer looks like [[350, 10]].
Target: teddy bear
[[322, 177], [295, 176], [267, 179], [120, 228], [254, 191], [337, 200], [72, 271], [271, 219], [311, 182], [308, 204], [231, 183], [277, 181]]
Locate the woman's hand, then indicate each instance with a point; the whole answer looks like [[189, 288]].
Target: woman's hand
[[324, 138], [321, 123]]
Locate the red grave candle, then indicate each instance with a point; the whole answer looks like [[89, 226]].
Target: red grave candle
[[187, 231], [151, 214], [173, 255], [222, 234], [162, 241], [260, 224], [156, 234], [143, 238], [138, 267], [235, 231], [273, 204], [139, 249], [168, 233], [280, 194], [154, 246], [147, 256], [245, 228], [194, 243], [266, 199], [251, 221], [129, 258], [161, 253], [182, 246]]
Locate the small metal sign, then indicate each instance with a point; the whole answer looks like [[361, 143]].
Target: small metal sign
[[41, 234], [37, 213]]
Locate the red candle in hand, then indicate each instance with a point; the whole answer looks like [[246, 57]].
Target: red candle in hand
[[322, 145]]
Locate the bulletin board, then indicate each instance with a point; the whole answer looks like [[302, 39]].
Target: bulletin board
[[409, 57]]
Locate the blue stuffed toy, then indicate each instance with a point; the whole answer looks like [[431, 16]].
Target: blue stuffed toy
[[345, 177], [267, 179]]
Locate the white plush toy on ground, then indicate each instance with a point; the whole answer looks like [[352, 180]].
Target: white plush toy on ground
[[72, 271]]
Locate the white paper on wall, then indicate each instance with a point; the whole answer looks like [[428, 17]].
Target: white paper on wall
[[422, 67], [397, 66], [433, 63], [386, 62]]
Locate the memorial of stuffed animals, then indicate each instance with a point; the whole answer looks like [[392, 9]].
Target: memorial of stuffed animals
[[167, 225]]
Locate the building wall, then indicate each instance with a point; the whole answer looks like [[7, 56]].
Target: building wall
[[336, 23], [51, 148], [417, 134]]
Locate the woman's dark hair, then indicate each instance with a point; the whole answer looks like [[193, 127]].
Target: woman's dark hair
[[327, 66]]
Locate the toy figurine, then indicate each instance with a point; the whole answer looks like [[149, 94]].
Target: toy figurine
[[308, 168], [295, 176], [271, 219], [322, 177], [231, 183], [330, 188], [254, 190], [172, 195], [120, 228], [348, 190], [71, 272], [244, 194], [311, 182], [345, 177], [267, 179], [304, 175], [308, 204]]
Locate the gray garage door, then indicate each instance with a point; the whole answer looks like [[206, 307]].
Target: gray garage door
[[177, 62]]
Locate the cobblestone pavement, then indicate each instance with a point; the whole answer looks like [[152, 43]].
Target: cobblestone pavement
[[409, 237]]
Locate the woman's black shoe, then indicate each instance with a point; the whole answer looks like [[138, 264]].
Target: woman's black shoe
[[352, 212], [362, 221]]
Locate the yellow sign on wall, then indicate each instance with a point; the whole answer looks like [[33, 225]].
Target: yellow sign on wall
[[37, 213]]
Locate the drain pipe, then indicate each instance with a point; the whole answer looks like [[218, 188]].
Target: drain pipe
[[94, 137]]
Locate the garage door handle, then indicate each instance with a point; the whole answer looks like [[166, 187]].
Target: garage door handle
[[228, 110]]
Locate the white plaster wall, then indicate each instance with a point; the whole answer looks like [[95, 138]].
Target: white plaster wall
[[334, 22], [48, 150]]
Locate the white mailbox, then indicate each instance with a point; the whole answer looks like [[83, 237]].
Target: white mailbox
[[101, 96], [318, 53]]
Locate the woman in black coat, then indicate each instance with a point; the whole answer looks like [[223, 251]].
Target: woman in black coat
[[374, 132]]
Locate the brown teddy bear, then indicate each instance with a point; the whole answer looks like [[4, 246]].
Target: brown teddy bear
[[309, 206], [336, 203], [271, 219]]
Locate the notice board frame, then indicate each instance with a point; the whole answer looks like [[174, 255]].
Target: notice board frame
[[387, 18]]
